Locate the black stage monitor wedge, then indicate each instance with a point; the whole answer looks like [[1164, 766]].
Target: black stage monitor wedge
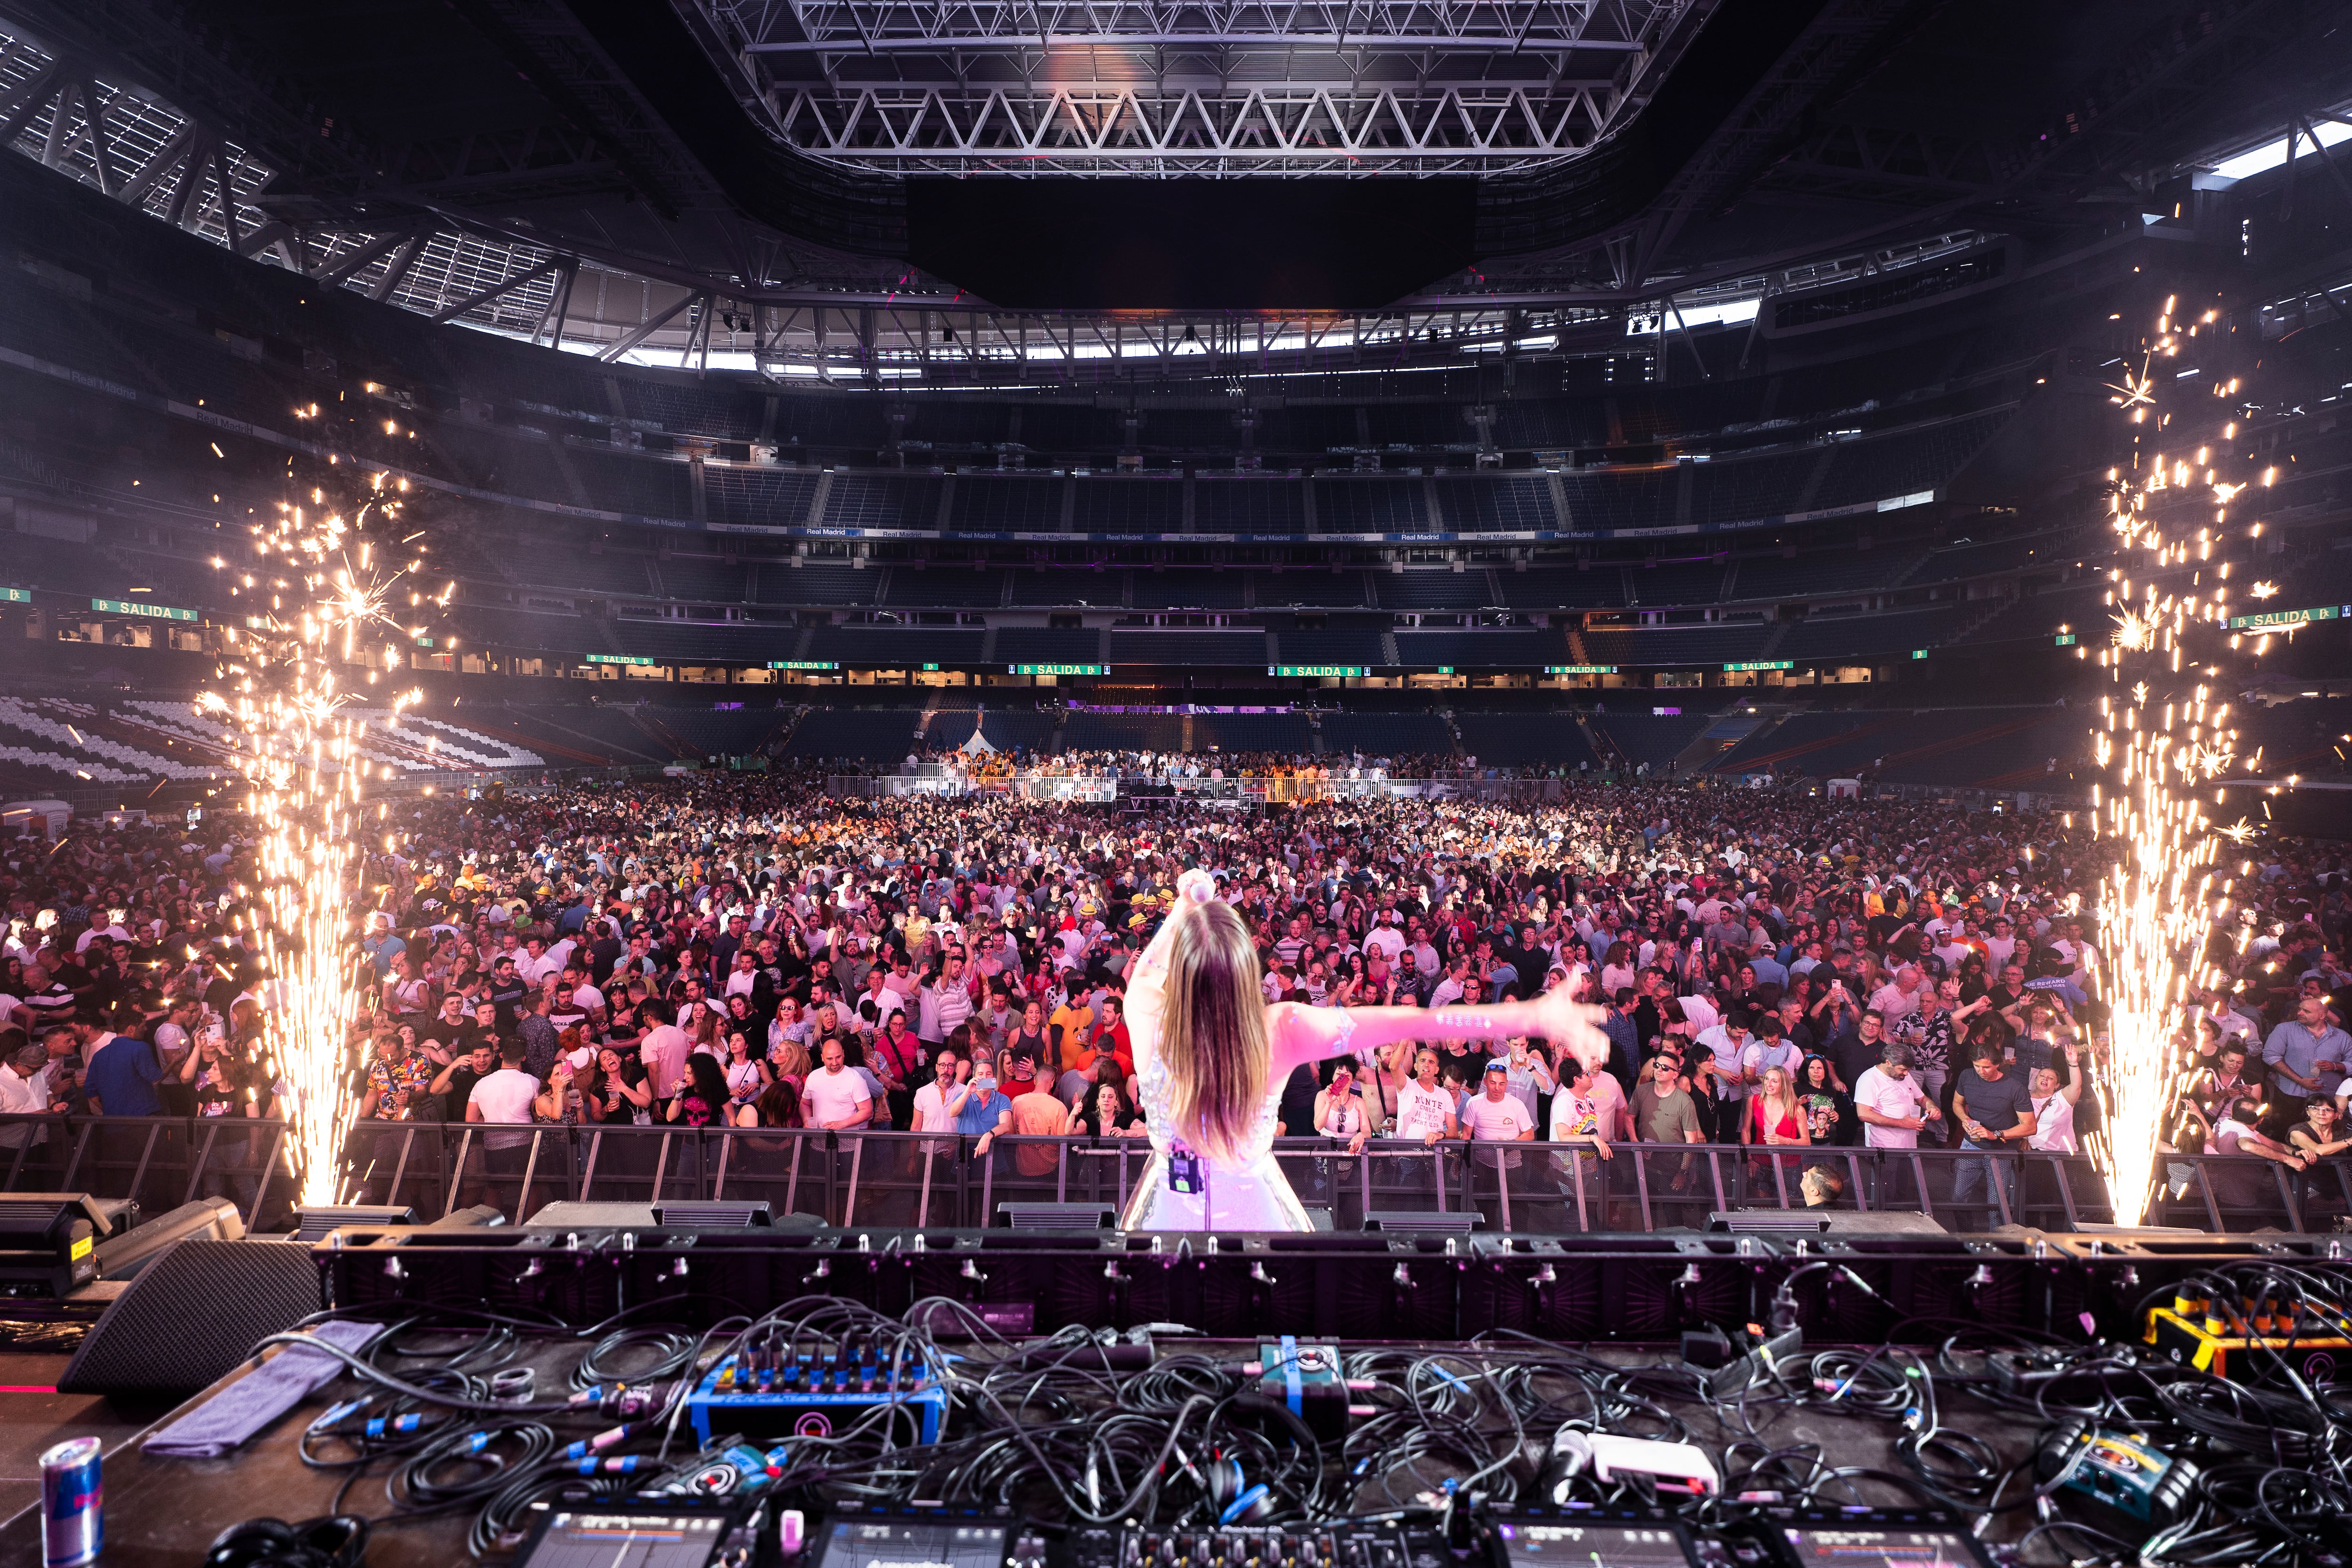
[[714, 1217], [596, 1214], [48, 1243], [315, 1220], [1069, 243], [1768, 1222], [1059, 1216], [125, 1254], [192, 1315], [1421, 1220]]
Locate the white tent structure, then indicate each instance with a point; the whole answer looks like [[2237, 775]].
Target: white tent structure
[[978, 745]]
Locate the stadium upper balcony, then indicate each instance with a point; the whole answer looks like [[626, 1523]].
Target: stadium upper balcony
[[172, 315], [595, 511]]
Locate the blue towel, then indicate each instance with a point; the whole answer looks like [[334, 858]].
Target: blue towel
[[237, 1414]]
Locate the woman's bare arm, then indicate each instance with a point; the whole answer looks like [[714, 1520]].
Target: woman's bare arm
[[1300, 1034]]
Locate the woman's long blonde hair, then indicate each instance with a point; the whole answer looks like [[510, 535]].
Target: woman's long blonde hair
[[1213, 1038]]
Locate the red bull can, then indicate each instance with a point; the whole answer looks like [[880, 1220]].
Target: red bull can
[[73, 1503]]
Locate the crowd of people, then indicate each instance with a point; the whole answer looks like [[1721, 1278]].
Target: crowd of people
[[1783, 973]]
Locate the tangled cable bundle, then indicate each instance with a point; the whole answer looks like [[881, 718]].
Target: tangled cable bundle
[[1058, 1431]]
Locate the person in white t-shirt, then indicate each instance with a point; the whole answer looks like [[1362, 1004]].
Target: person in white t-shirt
[[1424, 1113], [1769, 1048], [663, 1049], [931, 1113], [835, 1097], [1494, 1115], [502, 1099], [1591, 1107], [2054, 1107], [1891, 1102]]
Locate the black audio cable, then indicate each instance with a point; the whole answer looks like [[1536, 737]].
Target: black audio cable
[[669, 1349], [468, 1466]]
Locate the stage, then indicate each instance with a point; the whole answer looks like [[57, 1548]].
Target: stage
[[1448, 1383]]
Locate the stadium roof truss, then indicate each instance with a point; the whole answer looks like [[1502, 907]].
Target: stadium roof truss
[[1248, 87], [1336, 87]]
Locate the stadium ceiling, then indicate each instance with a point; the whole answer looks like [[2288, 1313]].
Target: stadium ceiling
[[717, 182], [1348, 87]]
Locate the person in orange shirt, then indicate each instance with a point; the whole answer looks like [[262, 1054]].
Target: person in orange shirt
[[1071, 1029]]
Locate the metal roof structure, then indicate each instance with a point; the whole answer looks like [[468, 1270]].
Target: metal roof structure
[[1346, 88], [717, 182]]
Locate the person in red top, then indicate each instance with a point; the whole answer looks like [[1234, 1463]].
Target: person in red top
[[901, 1053], [1776, 1119], [1110, 1037]]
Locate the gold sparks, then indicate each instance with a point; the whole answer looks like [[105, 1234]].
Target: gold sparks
[[2134, 391], [2161, 751], [299, 751]]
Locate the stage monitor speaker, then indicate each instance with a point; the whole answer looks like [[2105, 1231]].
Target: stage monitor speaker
[[1059, 1216], [715, 1217], [192, 1315], [1425, 1221], [313, 1221], [1768, 1222], [567, 1213], [125, 1257]]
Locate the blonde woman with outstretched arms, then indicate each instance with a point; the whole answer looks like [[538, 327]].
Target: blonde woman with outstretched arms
[[1211, 1059]]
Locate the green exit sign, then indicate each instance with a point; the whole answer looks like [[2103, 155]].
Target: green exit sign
[[1918, 653], [2066, 640], [15, 596], [1321, 671], [803, 663], [153, 612], [1580, 669], [1755, 664], [619, 658], [2269, 619], [1055, 669]]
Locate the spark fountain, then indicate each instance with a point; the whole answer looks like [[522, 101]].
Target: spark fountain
[[2164, 735], [328, 584]]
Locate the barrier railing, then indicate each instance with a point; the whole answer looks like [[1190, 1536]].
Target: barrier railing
[[880, 1177]]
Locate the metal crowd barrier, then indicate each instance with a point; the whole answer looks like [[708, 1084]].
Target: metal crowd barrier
[[160, 1162], [911, 1178]]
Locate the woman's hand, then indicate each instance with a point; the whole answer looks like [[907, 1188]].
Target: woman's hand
[[1573, 1027]]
